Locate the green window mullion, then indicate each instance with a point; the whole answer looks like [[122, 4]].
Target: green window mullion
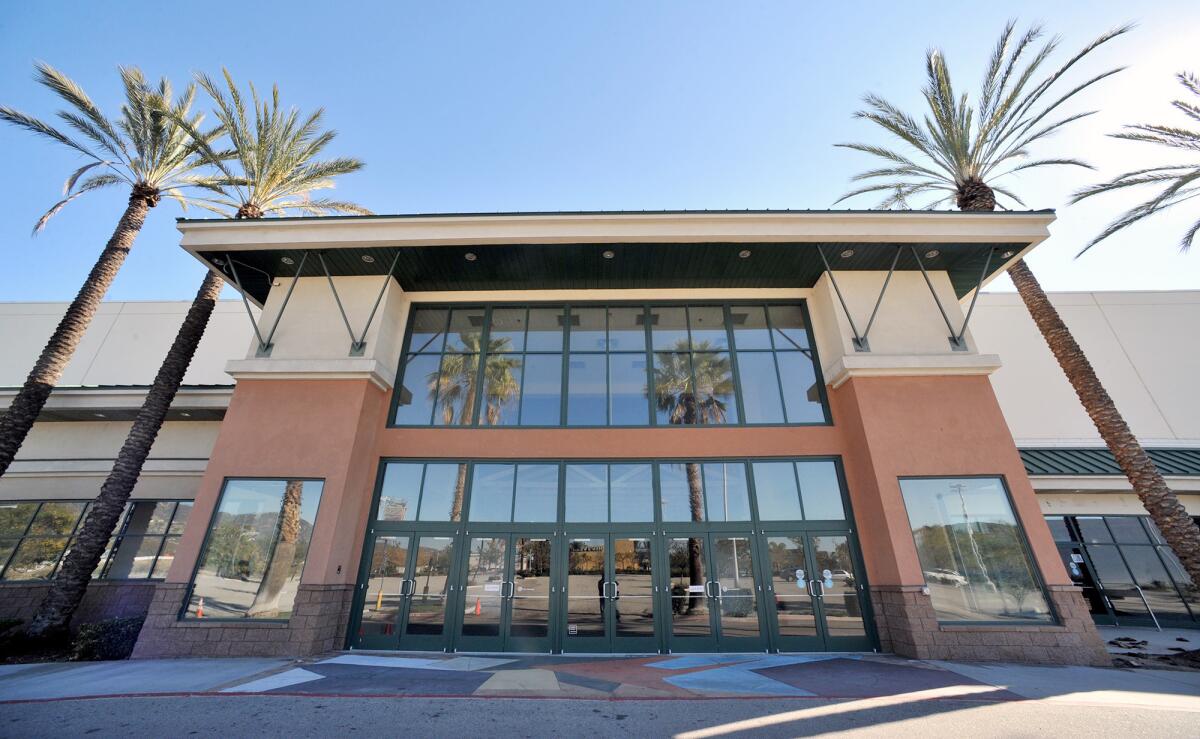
[[656, 489], [649, 352], [799, 492], [512, 505], [420, 493], [733, 365], [485, 334], [565, 377], [17, 546], [779, 385]]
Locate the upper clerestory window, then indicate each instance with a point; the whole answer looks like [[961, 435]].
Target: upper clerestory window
[[609, 365]]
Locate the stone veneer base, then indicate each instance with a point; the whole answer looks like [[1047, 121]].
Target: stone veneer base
[[103, 599], [320, 617], [904, 618], [908, 626]]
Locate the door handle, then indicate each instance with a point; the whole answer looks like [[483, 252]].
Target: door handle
[[512, 589], [405, 592], [614, 590]]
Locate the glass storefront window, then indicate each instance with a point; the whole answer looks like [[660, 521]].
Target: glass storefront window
[[41, 533], [255, 550], [972, 551], [1123, 559], [668, 365]]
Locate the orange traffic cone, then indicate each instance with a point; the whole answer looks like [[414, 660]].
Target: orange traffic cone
[[478, 607], [200, 609]]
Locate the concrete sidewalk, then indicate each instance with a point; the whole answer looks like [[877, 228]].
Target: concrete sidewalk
[[684, 677]]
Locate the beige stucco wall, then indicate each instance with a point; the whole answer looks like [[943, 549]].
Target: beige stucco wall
[[1106, 503], [124, 344], [70, 460], [1142, 344]]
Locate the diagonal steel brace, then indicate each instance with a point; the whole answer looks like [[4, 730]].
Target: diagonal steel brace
[[264, 344], [358, 344], [861, 344], [958, 341]]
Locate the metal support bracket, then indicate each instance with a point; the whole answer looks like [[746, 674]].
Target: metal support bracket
[[264, 344], [860, 342], [957, 339], [358, 344]]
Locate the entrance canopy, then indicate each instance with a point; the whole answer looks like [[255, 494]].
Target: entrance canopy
[[647, 249]]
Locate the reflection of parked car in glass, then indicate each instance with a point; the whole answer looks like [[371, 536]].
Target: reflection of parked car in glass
[[945, 577]]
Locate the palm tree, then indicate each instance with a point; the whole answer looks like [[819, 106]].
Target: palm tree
[[961, 152], [140, 148], [1180, 182], [454, 387], [271, 169], [688, 388]]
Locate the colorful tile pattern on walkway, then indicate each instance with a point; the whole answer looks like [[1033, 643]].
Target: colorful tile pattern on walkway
[[571, 676]]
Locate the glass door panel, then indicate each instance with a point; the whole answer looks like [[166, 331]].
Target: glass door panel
[[585, 596], [691, 621], [632, 595], [529, 593], [788, 590], [483, 593], [735, 585], [379, 619], [840, 597], [1118, 585], [426, 618]]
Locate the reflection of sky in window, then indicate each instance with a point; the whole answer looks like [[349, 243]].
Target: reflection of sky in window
[[491, 492], [266, 496], [935, 502]]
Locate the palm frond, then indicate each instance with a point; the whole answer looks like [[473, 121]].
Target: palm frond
[[271, 165], [957, 141], [92, 183]]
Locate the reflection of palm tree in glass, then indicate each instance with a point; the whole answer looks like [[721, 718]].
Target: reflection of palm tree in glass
[[283, 554], [455, 386], [688, 388]]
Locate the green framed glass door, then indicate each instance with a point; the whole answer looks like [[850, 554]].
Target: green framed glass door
[[505, 602], [609, 594], [713, 593], [815, 592], [404, 592]]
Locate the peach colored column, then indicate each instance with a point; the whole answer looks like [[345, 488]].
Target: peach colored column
[[912, 426], [299, 428]]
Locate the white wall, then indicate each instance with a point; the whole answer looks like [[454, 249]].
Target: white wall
[[124, 344], [1143, 346]]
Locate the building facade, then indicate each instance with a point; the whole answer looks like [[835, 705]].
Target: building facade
[[626, 432]]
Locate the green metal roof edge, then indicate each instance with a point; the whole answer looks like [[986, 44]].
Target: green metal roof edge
[[1093, 461], [747, 211]]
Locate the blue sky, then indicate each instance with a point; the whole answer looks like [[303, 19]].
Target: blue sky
[[494, 106]]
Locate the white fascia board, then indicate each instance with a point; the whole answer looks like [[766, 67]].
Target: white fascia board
[[1024, 229], [84, 398], [1103, 483]]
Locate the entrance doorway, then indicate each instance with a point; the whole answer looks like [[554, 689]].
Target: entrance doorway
[[611, 586]]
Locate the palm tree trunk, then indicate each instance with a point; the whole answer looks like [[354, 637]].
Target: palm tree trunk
[[1165, 509], [25, 408], [283, 555], [68, 588], [695, 549]]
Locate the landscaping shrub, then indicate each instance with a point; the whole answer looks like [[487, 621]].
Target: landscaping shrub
[[112, 638]]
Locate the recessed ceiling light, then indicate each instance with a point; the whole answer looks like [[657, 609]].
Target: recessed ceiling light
[[932, 254], [608, 254], [1007, 255], [368, 258], [847, 253], [99, 415], [470, 256], [185, 414], [287, 260], [218, 261], [744, 254]]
